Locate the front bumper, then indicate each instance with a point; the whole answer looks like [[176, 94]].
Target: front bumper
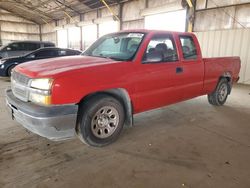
[[55, 122]]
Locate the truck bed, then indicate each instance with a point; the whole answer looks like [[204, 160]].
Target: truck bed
[[216, 67]]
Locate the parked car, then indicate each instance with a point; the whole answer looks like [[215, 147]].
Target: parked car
[[7, 64], [22, 47], [121, 74]]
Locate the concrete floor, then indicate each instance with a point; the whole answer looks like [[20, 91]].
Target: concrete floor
[[191, 144]]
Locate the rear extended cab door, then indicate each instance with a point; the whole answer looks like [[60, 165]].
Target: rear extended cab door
[[191, 65]]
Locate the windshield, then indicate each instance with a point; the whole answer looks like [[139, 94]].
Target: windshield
[[28, 54], [118, 46]]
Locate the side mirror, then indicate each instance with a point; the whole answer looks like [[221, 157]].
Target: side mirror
[[153, 57]]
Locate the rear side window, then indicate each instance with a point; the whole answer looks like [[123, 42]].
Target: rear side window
[[71, 52], [189, 50], [62, 52], [48, 45], [45, 54], [30, 46]]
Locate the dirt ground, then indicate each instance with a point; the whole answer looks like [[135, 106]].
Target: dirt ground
[[190, 144]]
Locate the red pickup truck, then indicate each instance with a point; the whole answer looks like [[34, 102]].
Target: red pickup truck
[[121, 74]]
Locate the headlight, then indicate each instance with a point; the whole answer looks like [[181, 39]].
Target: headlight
[[40, 99], [41, 83], [40, 91], [2, 63]]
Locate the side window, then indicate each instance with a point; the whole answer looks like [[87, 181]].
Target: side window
[[161, 49], [188, 47], [30, 46], [47, 45], [45, 54], [62, 52], [70, 52], [14, 47]]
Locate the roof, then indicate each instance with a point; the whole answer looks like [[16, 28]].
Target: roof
[[32, 41], [152, 31], [55, 48], [44, 11]]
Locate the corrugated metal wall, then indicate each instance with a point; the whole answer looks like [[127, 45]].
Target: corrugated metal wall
[[234, 42], [13, 28]]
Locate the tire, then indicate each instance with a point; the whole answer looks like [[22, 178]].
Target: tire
[[10, 70], [100, 120], [219, 96]]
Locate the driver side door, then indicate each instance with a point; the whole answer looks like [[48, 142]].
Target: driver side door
[[159, 79]]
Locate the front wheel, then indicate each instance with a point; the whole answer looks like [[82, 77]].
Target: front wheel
[[220, 94], [100, 120]]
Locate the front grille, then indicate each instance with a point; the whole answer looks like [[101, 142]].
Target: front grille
[[20, 78], [19, 86]]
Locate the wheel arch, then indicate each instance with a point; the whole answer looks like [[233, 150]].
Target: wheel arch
[[11, 66], [121, 95], [227, 75]]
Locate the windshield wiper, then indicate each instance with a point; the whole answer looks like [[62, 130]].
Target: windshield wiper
[[115, 58], [106, 57], [110, 57]]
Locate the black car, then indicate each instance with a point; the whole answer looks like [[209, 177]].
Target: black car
[[22, 47], [7, 64]]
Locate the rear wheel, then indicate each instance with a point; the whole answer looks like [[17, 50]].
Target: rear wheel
[[100, 120], [220, 94]]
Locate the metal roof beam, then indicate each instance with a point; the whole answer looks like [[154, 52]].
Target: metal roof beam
[[19, 15], [67, 6], [32, 8]]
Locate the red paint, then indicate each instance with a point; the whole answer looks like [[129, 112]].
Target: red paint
[[148, 85]]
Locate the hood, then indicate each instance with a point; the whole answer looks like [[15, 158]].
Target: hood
[[55, 66], [12, 59]]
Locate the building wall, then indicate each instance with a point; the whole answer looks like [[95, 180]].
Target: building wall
[[48, 33], [14, 28], [131, 18], [232, 15], [225, 31]]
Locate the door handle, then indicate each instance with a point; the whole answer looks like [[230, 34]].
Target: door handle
[[179, 70]]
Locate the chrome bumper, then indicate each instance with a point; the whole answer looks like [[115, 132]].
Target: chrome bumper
[[55, 122]]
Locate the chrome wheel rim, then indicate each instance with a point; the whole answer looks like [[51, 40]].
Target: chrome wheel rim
[[105, 122], [222, 93]]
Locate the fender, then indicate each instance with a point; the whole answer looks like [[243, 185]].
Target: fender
[[120, 94], [228, 76]]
